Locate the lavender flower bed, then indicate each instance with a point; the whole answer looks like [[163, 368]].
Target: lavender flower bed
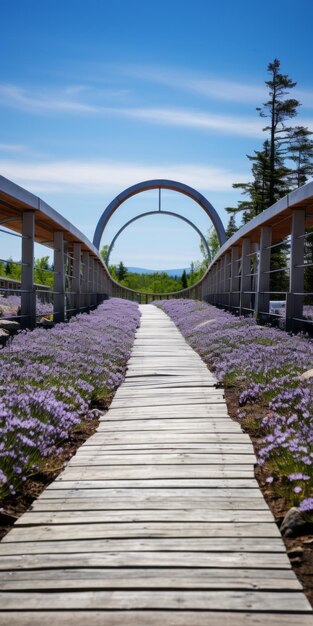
[[10, 306], [48, 379], [267, 365]]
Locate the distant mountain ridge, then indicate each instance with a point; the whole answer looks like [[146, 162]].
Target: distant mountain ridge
[[175, 272]]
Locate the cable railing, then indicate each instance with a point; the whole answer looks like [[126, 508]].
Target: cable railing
[[265, 269], [80, 279]]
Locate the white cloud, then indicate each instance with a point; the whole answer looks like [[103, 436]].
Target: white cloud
[[63, 103], [38, 103], [92, 177], [234, 125], [211, 88], [199, 84]]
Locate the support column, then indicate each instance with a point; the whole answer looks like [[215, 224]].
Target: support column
[[76, 276], [28, 293], [227, 279], [85, 280], [294, 303], [59, 278], [234, 278], [92, 281], [262, 297], [245, 286]]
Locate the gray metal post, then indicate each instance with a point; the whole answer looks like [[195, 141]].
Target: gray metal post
[[59, 278], [227, 279], [234, 277], [245, 287], [92, 281], [294, 303], [85, 280], [262, 297], [28, 293], [76, 276]]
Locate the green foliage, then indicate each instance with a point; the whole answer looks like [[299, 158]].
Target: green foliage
[[104, 252], [12, 269], [121, 272], [231, 227], [43, 273], [184, 280], [213, 244], [272, 174]]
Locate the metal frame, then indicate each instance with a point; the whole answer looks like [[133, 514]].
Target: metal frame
[[159, 184]]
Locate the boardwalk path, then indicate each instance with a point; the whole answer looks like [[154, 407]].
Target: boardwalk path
[[157, 520]]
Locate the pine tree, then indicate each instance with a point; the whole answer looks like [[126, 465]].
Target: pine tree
[[301, 153], [184, 281], [121, 271], [278, 109], [231, 227]]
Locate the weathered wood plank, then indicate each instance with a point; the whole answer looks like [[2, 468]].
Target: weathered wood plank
[[84, 509], [204, 600], [150, 471], [161, 459], [148, 529], [65, 557], [152, 618], [215, 503], [164, 578]]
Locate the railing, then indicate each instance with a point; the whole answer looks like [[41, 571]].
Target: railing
[[265, 269], [80, 277]]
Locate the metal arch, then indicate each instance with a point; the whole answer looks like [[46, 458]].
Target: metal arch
[[159, 184], [137, 217]]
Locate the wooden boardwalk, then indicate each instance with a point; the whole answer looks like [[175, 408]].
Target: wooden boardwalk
[[158, 519]]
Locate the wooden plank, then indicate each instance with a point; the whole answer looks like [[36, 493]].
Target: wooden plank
[[84, 510], [151, 618], [160, 459], [247, 481], [155, 437], [161, 578], [139, 599], [216, 502], [82, 558], [216, 439], [151, 471], [149, 529], [172, 542]]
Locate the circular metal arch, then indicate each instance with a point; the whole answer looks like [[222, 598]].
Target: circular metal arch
[[159, 184], [138, 217]]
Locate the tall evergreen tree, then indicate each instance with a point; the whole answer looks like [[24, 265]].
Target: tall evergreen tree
[[121, 271], [231, 227], [301, 153], [278, 109], [184, 280]]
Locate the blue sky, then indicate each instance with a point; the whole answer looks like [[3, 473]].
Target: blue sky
[[95, 97]]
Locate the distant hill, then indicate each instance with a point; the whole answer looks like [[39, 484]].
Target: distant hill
[[142, 270]]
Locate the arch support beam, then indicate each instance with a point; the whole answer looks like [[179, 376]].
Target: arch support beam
[[159, 184]]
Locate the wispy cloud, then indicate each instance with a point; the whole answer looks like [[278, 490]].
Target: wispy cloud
[[235, 125], [208, 87], [63, 102], [199, 84], [38, 103], [104, 176]]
